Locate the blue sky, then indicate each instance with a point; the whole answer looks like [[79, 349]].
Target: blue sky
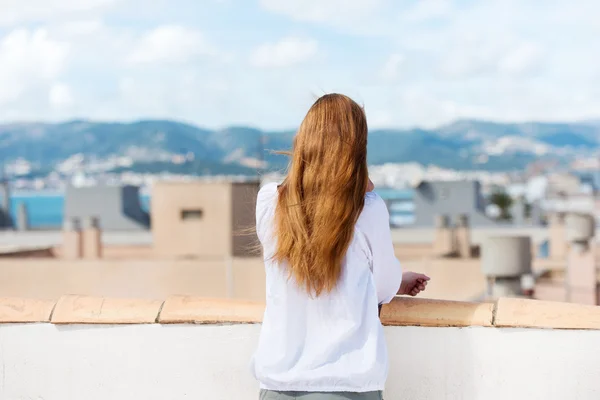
[[263, 62]]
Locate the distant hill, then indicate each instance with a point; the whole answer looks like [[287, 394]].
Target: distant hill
[[465, 144]]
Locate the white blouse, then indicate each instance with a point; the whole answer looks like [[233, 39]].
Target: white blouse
[[333, 342]]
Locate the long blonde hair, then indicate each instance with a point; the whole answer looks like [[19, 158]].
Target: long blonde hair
[[323, 194]]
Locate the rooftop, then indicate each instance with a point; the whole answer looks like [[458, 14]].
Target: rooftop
[[188, 347]]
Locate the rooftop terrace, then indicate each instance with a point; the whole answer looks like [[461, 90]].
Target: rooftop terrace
[[185, 347], [135, 339]]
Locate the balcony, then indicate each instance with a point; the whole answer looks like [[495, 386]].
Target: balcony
[[98, 348]]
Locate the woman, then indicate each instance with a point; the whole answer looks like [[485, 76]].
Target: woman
[[329, 263]]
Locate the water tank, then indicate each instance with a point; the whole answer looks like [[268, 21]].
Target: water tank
[[580, 227], [506, 256], [442, 221]]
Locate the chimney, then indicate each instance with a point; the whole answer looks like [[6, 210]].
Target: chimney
[[581, 276], [22, 218], [92, 238], [72, 248], [462, 236], [506, 263], [528, 285], [557, 237], [443, 242]]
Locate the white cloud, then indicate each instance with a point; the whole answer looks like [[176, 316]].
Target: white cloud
[[522, 59], [470, 56], [60, 96], [391, 68], [29, 59], [19, 11], [424, 10], [468, 62], [380, 118], [284, 53], [82, 27], [319, 11], [170, 44], [340, 13], [188, 95], [433, 60]]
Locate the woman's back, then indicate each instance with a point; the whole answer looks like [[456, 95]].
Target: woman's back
[[329, 263], [332, 342]]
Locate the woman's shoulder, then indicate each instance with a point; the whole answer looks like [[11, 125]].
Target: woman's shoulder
[[265, 209], [374, 201], [266, 195], [375, 208], [268, 190]]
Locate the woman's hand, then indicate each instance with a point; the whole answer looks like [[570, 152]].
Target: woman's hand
[[413, 283]]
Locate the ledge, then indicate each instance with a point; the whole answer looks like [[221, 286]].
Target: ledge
[[18, 310], [424, 312], [97, 310], [520, 313], [402, 311], [187, 309]]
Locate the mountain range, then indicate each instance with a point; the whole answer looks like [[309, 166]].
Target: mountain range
[[151, 144]]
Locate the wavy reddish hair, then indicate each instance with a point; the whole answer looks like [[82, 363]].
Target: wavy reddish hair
[[323, 194]]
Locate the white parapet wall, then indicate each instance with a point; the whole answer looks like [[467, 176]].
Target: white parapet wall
[[463, 351]]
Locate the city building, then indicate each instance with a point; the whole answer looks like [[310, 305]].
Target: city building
[[452, 198], [214, 219], [115, 207]]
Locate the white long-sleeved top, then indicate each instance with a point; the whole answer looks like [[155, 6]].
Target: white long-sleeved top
[[333, 342]]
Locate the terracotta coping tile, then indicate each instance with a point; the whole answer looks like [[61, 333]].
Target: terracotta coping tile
[[425, 312], [18, 310], [188, 309], [72, 309], [506, 312], [522, 313]]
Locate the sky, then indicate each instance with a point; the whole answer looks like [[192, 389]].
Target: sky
[[262, 63]]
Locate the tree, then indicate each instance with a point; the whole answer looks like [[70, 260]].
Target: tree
[[503, 201]]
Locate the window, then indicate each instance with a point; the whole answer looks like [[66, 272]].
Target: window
[[187, 215]]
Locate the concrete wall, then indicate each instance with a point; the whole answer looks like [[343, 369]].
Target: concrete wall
[[243, 278], [426, 235], [148, 279], [401, 235], [54, 238], [67, 360], [119, 252], [211, 362]]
